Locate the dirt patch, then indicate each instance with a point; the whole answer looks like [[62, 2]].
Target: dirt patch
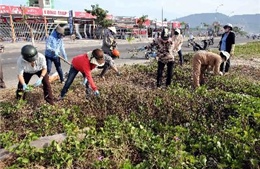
[[254, 62]]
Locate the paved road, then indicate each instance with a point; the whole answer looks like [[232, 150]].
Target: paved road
[[10, 56]]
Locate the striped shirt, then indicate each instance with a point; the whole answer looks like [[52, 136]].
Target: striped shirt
[[25, 67]]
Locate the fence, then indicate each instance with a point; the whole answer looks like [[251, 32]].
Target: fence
[[19, 31]]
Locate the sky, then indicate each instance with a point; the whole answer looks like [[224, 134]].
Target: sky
[[172, 9]]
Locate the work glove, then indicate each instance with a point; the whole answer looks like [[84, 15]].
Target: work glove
[[38, 82], [96, 93], [85, 81], [25, 87], [57, 53]]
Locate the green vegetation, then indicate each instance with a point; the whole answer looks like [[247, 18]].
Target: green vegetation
[[135, 125], [251, 50], [246, 51], [101, 15]]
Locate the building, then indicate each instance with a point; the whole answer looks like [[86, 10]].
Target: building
[[41, 3]]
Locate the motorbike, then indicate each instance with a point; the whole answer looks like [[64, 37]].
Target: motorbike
[[190, 41], [150, 53], [211, 41], [203, 46]]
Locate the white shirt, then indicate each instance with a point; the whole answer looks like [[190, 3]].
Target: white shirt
[[25, 67]]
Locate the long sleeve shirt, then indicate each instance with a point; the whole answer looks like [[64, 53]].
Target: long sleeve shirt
[[82, 64], [55, 44], [177, 42], [164, 50], [208, 59]]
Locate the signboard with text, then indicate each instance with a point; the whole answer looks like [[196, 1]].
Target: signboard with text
[[57, 13]]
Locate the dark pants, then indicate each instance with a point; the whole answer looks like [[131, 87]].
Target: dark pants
[[71, 76], [160, 69], [180, 57], [105, 68], [2, 83], [46, 87], [224, 67], [56, 61]]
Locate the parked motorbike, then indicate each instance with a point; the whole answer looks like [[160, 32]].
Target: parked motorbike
[[211, 41], [190, 41], [204, 45], [150, 53]]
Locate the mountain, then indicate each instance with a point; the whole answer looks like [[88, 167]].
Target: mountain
[[250, 22]]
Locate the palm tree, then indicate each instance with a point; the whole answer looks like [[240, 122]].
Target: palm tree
[[140, 22]]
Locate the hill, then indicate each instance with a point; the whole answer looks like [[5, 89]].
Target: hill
[[250, 22]]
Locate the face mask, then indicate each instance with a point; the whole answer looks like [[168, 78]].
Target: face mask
[[227, 30]]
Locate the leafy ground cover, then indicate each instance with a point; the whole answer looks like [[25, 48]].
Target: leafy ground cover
[[135, 125]]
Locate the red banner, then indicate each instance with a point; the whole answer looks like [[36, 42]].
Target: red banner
[[16, 10], [4, 9], [140, 32], [176, 25], [83, 15], [33, 11]]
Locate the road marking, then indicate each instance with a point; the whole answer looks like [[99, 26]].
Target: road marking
[[12, 67], [9, 58]]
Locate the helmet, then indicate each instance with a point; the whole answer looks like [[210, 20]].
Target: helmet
[[60, 30], [112, 29], [29, 53], [116, 53], [229, 25], [225, 54], [165, 34], [177, 31]]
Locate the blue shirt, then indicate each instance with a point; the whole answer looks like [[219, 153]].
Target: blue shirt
[[224, 42], [54, 44]]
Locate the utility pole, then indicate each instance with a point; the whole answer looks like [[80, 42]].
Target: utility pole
[[162, 16]]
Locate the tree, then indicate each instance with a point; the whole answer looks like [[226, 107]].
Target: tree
[[205, 25], [165, 20], [183, 26], [140, 22], [24, 20], [239, 30], [100, 15]]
